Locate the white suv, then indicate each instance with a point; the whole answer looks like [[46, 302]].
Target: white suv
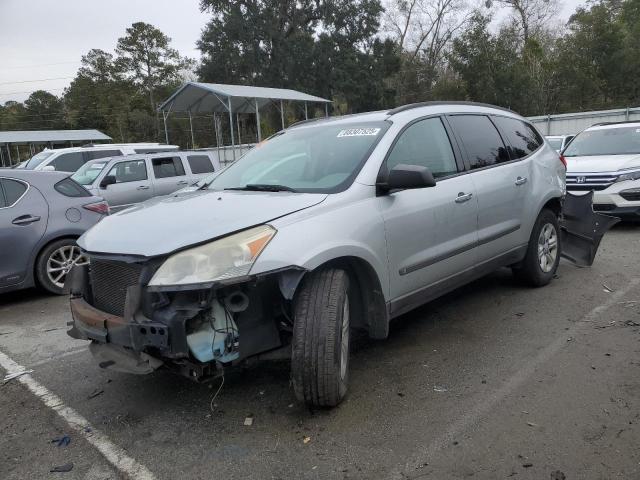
[[605, 158], [71, 159]]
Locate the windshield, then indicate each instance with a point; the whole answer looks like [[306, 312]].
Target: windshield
[[86, 174], [605, 141], [556, 143], [323, 158], [37, 159]]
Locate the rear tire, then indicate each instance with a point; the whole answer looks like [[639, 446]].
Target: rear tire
[[55, 262], [320, 350], [543, 252]]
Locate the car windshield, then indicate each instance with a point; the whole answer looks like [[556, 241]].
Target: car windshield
[[605, 141], [556, 143], [37, 159], [86, 174], [321, 158]]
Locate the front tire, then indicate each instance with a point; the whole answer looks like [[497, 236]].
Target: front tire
[[55, 261], [543, 252], [321, 339]]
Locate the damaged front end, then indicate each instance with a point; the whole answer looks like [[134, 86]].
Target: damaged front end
[[194, 330]]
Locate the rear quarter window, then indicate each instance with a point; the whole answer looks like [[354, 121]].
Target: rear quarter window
[[69, 188], [12, 191], [522, 138], [480, 139], [200, 164]]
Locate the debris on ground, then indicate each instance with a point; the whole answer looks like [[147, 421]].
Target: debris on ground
[[5, 333], [631, 323], [607, 289], [11, 376], [67, 467], [558, 475], [531, 424], [95, 393], [527, 465], [439, 389], [306, 440], [248, 421], [62, 441], [519, 314]]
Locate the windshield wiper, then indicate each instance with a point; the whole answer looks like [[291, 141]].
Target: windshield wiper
[[264, 187]]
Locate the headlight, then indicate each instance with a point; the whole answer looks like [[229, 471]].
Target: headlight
[[633, 175], [228, 257]]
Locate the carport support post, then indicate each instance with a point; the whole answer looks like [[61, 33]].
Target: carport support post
[[18, 153], [166, 132], [215, 128], [9, 153], [258, 121], [282, 113], [193, 142], [306, 113], [326, 109], [233, 140], [238, 124]]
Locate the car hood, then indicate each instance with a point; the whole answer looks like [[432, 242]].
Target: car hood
[[165, 224], [601, 163]]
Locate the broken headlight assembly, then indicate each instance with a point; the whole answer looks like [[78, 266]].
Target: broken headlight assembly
[[630, 175], [222, 259]]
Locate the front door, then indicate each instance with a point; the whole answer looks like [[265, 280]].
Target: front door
[[431, 232], [132, 184], [23, 221]]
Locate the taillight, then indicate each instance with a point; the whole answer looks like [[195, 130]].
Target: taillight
[[98, 207], [563, 160]]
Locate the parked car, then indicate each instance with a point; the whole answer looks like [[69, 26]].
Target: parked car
[[559, 142], [124, 181], [330, 226], [71, 159], [605, 159], [41, 216]]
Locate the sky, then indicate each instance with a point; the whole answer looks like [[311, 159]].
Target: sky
[[42, 41]]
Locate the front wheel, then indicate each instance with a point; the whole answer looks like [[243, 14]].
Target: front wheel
[[320, 350], [543, 252], [55, 262]]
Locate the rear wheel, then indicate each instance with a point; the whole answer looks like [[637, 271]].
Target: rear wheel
[[54, 263], [543, 252], [321, 339]]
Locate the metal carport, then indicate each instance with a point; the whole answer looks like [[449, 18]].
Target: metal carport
[[195, 97]]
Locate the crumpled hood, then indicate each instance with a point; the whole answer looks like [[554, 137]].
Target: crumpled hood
[[165, 224], [601, 163]]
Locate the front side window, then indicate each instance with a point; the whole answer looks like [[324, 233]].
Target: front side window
[[425, 143], [132, 171], [523, 139], [69, 188], [323, 158], [69, 162], [13, 190], [480, 139], [605, 141], [88, 172], [200, 164], [167, 167]]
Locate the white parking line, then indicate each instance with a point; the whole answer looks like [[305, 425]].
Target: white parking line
[[54, 358], [116, 456], [510, 385]]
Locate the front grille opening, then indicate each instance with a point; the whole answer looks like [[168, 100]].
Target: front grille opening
[[631, 196], [109, 283], [603, 207]]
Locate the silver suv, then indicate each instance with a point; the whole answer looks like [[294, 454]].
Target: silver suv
[[330, 226]]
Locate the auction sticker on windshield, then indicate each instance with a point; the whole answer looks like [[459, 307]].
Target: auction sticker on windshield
[[359, 132]]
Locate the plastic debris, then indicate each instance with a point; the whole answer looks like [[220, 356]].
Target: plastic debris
[[248, 421], [439, 389], [11, 376], [95, 393], [527, 465], [607, 289], [67, 467], [62, 441], [306, 440], [558, 475], [531, 424]]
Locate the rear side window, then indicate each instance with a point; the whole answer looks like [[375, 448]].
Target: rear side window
[[13, 190], [95, 154], [200, 164], [132, 171], [425, 143], [167, 167], [480, 139], [69, 188], [523, 139], [69, 162]]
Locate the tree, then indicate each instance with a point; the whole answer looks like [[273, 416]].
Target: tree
[[531, 16], [44, 111]]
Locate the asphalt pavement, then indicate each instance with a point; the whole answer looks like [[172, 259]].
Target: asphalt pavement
[[495, 380]]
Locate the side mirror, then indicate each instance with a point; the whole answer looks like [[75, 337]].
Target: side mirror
[[48, 168], [403, 177], [108, 180]]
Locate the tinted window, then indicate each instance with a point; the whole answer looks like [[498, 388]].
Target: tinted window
[[523, 139], [132, 171], [425, 143], [167, 167], [200, 164], [480, 139], [95, 154], [69, 162], [13, 190], [69, 188]]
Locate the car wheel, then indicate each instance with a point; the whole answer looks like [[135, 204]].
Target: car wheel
[[55, 261], [321, 338], [543, 252]]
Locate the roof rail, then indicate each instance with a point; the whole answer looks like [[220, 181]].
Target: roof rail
[[622, 122], [436, 103], [309, 120]]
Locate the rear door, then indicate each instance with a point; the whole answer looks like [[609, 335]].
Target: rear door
[[68, 162], [23, 222], [133, 184], [502, 185], [169, 174]]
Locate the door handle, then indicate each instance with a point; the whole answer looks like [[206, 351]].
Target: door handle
[[25, 220], [143, 187], [521, 180], [463, 197], [183, 182]]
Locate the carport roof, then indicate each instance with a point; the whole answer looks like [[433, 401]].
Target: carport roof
[[213, 97], [45, 136]]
